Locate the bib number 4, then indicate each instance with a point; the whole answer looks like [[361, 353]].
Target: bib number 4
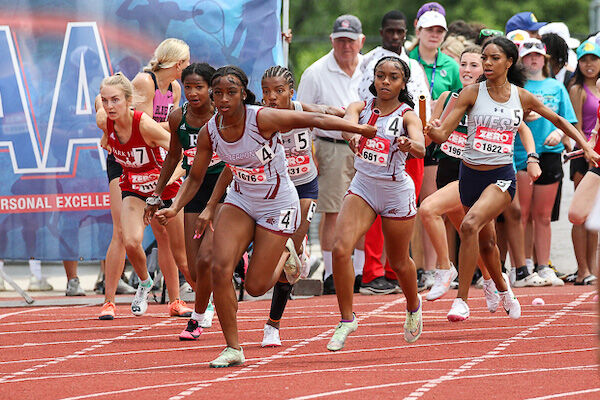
[[287, 218]]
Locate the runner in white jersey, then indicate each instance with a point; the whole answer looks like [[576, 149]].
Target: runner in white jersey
[[262, 205], [487, 177], [380, 187]]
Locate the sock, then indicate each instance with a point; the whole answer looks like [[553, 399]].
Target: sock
[[147, 283], [358, 261], [349, 320], [327, 260], [530, 265], [35, 266], [281, 294], [522, 272], [1, 265], [503, 264], [197, 317]]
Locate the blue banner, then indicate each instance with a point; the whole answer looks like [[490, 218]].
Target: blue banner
[[54, 202]]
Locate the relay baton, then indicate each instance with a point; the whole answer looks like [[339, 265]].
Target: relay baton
[[372, 120], [423, 109], [449, 107]]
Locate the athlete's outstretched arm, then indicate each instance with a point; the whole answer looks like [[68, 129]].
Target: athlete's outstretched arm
[[415, 142], [271, 120], [207, 215]]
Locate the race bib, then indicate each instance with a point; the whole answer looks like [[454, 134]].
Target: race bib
[[249, 175], [455, 144], [144, 182], [302, 140], [191, 154], [298, 165], [503, 185], [376, 151], [287, 218], [493, 141], [393, 127], [265, 154]]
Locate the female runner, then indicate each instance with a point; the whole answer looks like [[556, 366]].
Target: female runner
[[381, 187], [156, 91], [487, 177], [262, 204], [185, 123], [584, 97], [134, 139]]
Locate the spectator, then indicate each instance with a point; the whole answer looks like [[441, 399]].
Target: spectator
[[562, 30], [525, 21], [333, 80]]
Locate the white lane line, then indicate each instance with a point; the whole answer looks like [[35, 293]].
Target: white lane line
[[319, 373], [561, 395], [291, 349], [76, 354], [477, 360]]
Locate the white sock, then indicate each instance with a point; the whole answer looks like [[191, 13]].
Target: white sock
[[358, 261], [35, 267], [327, 260], [197, 317], [530, 265]]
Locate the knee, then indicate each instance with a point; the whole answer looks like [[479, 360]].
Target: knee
[[203, 262], [220, 275], [513, 213], [487, 246], [341, 249], [576, 217], [256, 289], [131, 244], [541, 218], [468, 227], [426, 211]]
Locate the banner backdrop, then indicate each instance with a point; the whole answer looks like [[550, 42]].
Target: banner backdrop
[[54, 202]]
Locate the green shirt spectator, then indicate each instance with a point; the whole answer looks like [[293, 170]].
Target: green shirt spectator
[[446, 73]]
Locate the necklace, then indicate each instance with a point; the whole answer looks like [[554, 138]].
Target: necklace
[[497, 86], [221, 127]]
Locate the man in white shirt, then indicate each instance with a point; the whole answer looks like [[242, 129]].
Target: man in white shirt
[[333, 80]]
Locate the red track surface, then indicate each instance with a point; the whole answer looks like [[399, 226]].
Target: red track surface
[[551, 352]]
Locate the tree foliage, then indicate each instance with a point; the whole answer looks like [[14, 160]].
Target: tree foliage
[[312, 20]]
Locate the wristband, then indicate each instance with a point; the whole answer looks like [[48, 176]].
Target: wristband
[[536, 161], [533, 155]]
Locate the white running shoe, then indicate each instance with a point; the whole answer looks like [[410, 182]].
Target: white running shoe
[[305, 259], [512, 276], [185, 289], [338, 340], [139, 305], [548, 273], [459, 311], [124, 288], [532, 280], [270, 337], [74, 288], [292, 265], [228, 358], [492, 298], [509, 301], [208, 316], [442, 282], [39, 285], [413, 325]]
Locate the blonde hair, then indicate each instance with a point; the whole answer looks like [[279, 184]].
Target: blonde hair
[[121, 81], [167, 54], [455, 44]]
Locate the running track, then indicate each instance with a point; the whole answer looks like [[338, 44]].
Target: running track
[[550, 353]]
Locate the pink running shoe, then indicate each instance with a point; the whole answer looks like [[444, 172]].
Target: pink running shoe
[[191, 332]]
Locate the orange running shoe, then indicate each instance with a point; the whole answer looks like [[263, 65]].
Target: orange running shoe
[[108, 311], [179, 309]]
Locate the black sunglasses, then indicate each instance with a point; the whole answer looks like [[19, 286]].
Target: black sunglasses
[[537, 45]]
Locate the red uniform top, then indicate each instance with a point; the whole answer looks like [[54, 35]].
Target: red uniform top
[[141, 163]]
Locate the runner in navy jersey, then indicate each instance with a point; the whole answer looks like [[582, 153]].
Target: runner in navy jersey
[[262, 204]]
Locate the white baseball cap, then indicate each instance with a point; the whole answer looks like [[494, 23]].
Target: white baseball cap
[[432, 18], [562, 30], [517, 36], [531, 45]]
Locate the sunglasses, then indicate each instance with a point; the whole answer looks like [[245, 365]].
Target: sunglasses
[[530, 45], [490, 33]]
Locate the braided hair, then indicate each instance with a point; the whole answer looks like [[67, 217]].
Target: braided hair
[[403, 96], [279, 71], [241, 75]]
